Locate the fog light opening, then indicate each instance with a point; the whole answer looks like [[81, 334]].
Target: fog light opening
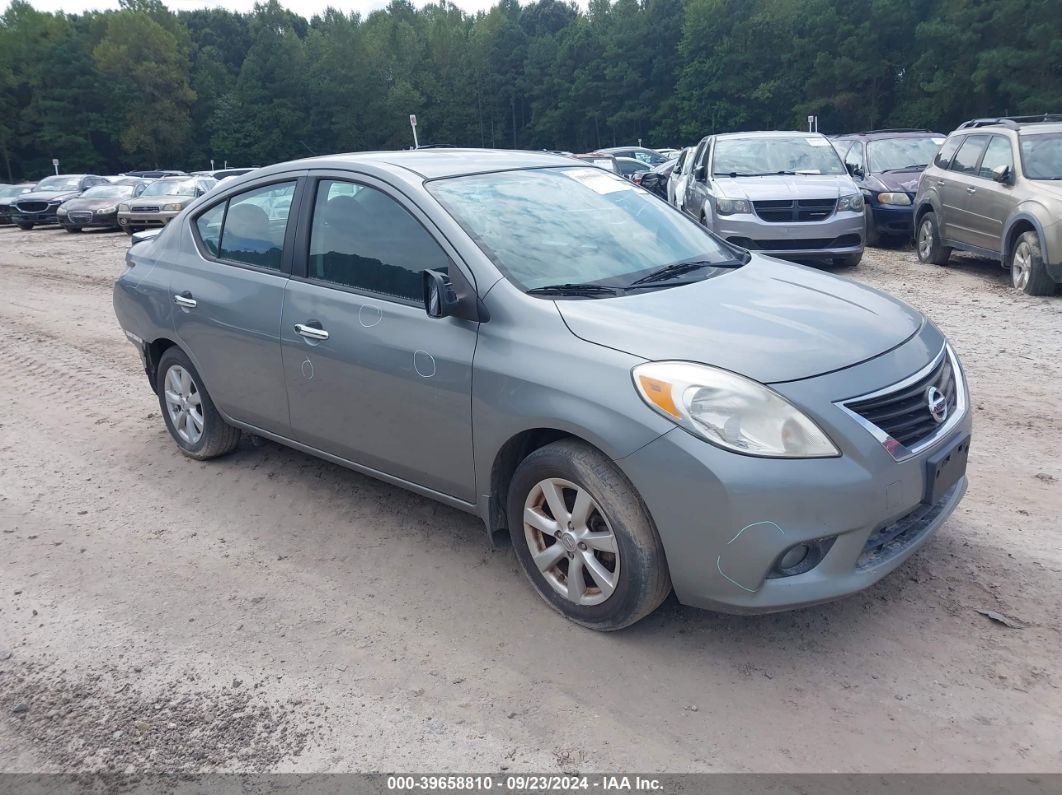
[[801, 558], [794, 556]]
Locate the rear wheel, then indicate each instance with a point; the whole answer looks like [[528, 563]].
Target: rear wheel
[[1027, 270], [190, 416], [25, 227], [927, 242], [584, 538]]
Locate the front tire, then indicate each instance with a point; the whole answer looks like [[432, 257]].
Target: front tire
[[848, 261], [1028, 272], [927, 242], [25, 227], [872, 235], [72, 229], [190, 416], [584, 538]]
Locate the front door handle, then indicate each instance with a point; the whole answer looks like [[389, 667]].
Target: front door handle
[[185, 300], [311, 332], [971, 189]]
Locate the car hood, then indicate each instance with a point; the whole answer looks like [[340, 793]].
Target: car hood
[[156, 201], [778, 186], [95, 203], [906, 181], [769, 320], [46, 195]]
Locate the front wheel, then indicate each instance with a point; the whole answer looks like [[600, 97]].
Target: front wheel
[[129, 231], [848, 261], [190, 416], [584, 538], [72, 229], [1027, 270], [928, 243], [25, 227]]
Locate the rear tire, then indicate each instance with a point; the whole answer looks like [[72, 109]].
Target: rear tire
[[25, 227], [1028, 272], [605, 532], [927, 242], [190, 416]]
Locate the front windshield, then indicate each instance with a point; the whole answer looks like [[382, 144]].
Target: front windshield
[[802, 154], [170, 187], [108, 192], [7, 191], [572, 226], [58, 183], [896, 154], [1041, 154]]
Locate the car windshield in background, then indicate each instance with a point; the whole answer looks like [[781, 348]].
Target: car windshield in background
[[564, 226], [770, 155], [58, 183], [7, 191], [896, 154], [108, 192], [167, 187], [1042, 155]]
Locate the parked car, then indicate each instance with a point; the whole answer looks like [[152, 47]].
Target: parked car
[[631, 169], [639, 404], [157, 174], [160, 202], [8, 194], [650, 157], [221, 173], [39, 206], [655, 180], [995, 188], [886, 165], [786, 194], [95, 208], [138, 183], [669, 153], [607, 162], [676, 183]]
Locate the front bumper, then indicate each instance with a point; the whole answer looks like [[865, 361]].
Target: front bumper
[[88, 220], [41, 218], [725, 520], [838, 236], [145, 220], [892, 219]]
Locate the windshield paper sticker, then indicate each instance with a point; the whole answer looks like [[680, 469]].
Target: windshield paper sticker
[[598, 181]]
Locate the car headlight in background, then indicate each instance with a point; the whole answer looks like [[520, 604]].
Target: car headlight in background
[[853, 202], [105, 210], [61, 211], [732, 206], [730, 411], [900, 199], [123, 208], [172, 208]]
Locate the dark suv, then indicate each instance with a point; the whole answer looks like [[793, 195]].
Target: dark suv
[[886, 165], [995, 189]]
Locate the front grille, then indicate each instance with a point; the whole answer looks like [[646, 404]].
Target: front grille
[[32, 207], [144, 209], [904, 413], [797, 244], [888, 541], [80, 217], [800, 211]]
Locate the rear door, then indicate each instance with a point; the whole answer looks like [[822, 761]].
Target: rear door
[[992, 202], [697, 188], [371, 378], [957, 188], [228, 294]]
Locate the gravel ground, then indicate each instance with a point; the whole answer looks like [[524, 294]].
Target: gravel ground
[[270, 611]]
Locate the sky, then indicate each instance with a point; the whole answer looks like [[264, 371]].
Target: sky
[[306, 8]]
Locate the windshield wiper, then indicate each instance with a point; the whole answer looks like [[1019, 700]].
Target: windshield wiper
[[676, 269], [906, 168], [733, 174], [588, 290]]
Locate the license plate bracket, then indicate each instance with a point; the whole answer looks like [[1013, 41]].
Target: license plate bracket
[[945, 467]]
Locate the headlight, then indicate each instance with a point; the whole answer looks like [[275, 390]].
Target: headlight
[[894, 198], [105, 210], [730, 411], [172, 208], [123, 208], [732, 206], [853, 202], [61, 211]]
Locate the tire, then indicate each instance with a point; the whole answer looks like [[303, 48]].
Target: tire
[[631, 581], [72, 229], [872, 236], [848, 261], [216, 437], [25, 227], [130, 231], [927, 242], [1028, 271]]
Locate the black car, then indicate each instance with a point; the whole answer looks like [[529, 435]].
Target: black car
[[40, 206], [655, 181], [886, 165], [8, 194], [95, 208], [650, 157]]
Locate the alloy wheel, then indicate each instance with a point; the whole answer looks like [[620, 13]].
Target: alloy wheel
[[925, 240], [571, 541], [184, 404], [1021, 266]]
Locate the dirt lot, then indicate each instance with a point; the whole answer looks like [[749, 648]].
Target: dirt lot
[[271, 611]]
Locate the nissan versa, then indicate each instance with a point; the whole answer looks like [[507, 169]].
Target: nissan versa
[[642, 406]]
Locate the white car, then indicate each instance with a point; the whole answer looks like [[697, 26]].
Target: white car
[[676, 184]]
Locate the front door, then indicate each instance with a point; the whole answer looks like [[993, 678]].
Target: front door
[[993, 202], [371, 378]]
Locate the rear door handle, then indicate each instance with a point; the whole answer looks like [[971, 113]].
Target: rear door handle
[[311, 332], [185, 300]]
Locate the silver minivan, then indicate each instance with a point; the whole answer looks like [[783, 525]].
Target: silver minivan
[[641, 406], [786, 194]]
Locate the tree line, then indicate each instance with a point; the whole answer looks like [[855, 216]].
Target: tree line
[[147, 87]]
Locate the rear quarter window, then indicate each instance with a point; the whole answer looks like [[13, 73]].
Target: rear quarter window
[[947, 152]]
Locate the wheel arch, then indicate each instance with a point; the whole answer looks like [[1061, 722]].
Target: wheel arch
[[1018, 225], [153, 355]]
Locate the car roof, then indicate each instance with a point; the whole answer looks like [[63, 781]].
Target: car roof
[[432, 163], [768, 134], [899, 132], [1045, 122]]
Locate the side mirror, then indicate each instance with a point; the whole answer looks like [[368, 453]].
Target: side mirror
[[854, 170], [700, 173], [440, 300], [1002, 174]]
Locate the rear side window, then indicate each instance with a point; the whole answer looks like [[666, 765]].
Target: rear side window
[[249, 228], [362, 238], [947, 152], [997, 154], [969, 153]]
